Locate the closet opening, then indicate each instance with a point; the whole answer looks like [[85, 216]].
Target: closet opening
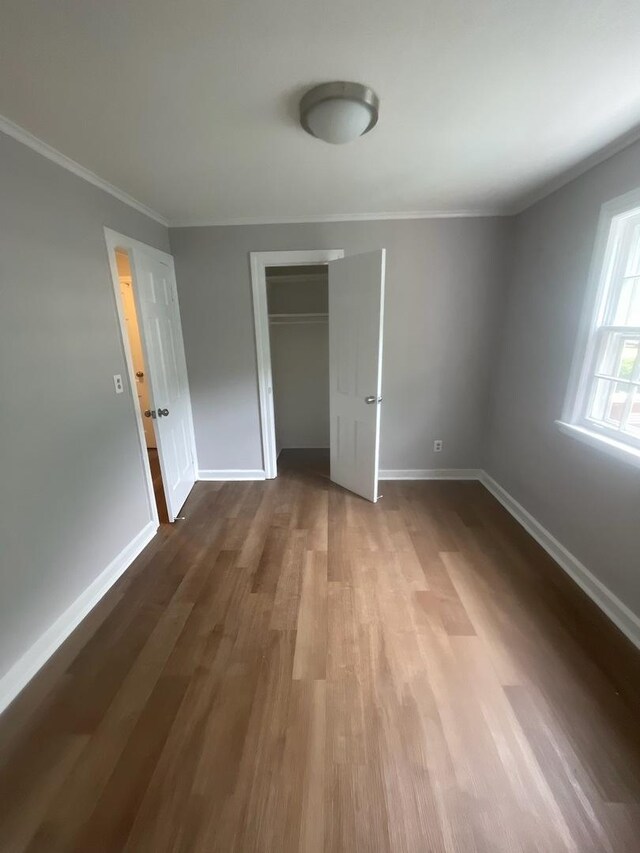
[[318, 319], [298, 312]]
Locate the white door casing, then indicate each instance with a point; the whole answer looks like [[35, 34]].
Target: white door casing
[[356, 305], [259, 263], [116, 242]]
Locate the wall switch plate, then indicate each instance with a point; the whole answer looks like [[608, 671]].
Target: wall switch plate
[[437, 445], [117, 381]]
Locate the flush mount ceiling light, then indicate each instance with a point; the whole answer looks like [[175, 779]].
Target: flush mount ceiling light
[[339, 112]]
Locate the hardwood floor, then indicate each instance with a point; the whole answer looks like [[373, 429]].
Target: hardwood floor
[[158, 487], [294, 669]]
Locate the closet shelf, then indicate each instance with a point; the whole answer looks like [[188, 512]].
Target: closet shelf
[[281, 319]]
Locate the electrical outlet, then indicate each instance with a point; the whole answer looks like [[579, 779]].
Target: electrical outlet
[[437, 445], [117, 381]]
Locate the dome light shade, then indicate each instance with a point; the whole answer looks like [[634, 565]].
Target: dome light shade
[[339, 112]]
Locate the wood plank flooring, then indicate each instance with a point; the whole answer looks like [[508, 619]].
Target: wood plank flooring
[[158, 488], [294, 669]]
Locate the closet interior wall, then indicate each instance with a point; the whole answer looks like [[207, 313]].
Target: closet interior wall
[[298, 303]]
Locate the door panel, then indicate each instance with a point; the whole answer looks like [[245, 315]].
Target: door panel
[[169, 389], [356, 297]]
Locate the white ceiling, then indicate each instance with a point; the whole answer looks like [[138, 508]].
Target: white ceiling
[[190, 106]]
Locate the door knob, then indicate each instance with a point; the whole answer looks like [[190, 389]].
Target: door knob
[[372, 399], [162, 413], [139, 374], [150, 413]]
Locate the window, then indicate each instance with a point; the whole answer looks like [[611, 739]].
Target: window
[[605, 398], [611, 399]]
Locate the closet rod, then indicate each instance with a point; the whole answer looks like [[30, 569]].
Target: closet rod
[[285, 319]]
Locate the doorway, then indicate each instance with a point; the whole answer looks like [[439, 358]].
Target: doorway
[[311, 308], [141, 381], [298, 308], [147, 305]]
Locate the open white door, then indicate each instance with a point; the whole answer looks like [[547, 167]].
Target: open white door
[[356, 298], [157, 304]]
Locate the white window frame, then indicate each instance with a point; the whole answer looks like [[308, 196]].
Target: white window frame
[[610, 253]]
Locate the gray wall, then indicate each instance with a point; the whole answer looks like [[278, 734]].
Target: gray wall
[[296, 295], [589, 501], [300, 373], [300, 362], [445, 290], [72, 492]]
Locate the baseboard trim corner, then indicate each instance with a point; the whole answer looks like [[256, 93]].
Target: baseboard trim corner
[[230, 474], [21, 673], [429, 474], [618, 612]]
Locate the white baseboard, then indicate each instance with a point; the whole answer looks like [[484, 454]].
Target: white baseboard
[[224, 474], [429, 474], [28, 665], [616, 610]]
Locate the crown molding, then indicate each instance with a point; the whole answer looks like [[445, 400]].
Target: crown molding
[[18, 133], [573, 172], [338, 217]]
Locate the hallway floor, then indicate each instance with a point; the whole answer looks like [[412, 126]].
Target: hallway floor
[[158, 488], [294, 669]]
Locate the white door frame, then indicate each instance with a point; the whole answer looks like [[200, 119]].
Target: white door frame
[[115, 241], [259, 263]]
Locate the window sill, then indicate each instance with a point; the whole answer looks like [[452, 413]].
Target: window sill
[[630, 455]]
